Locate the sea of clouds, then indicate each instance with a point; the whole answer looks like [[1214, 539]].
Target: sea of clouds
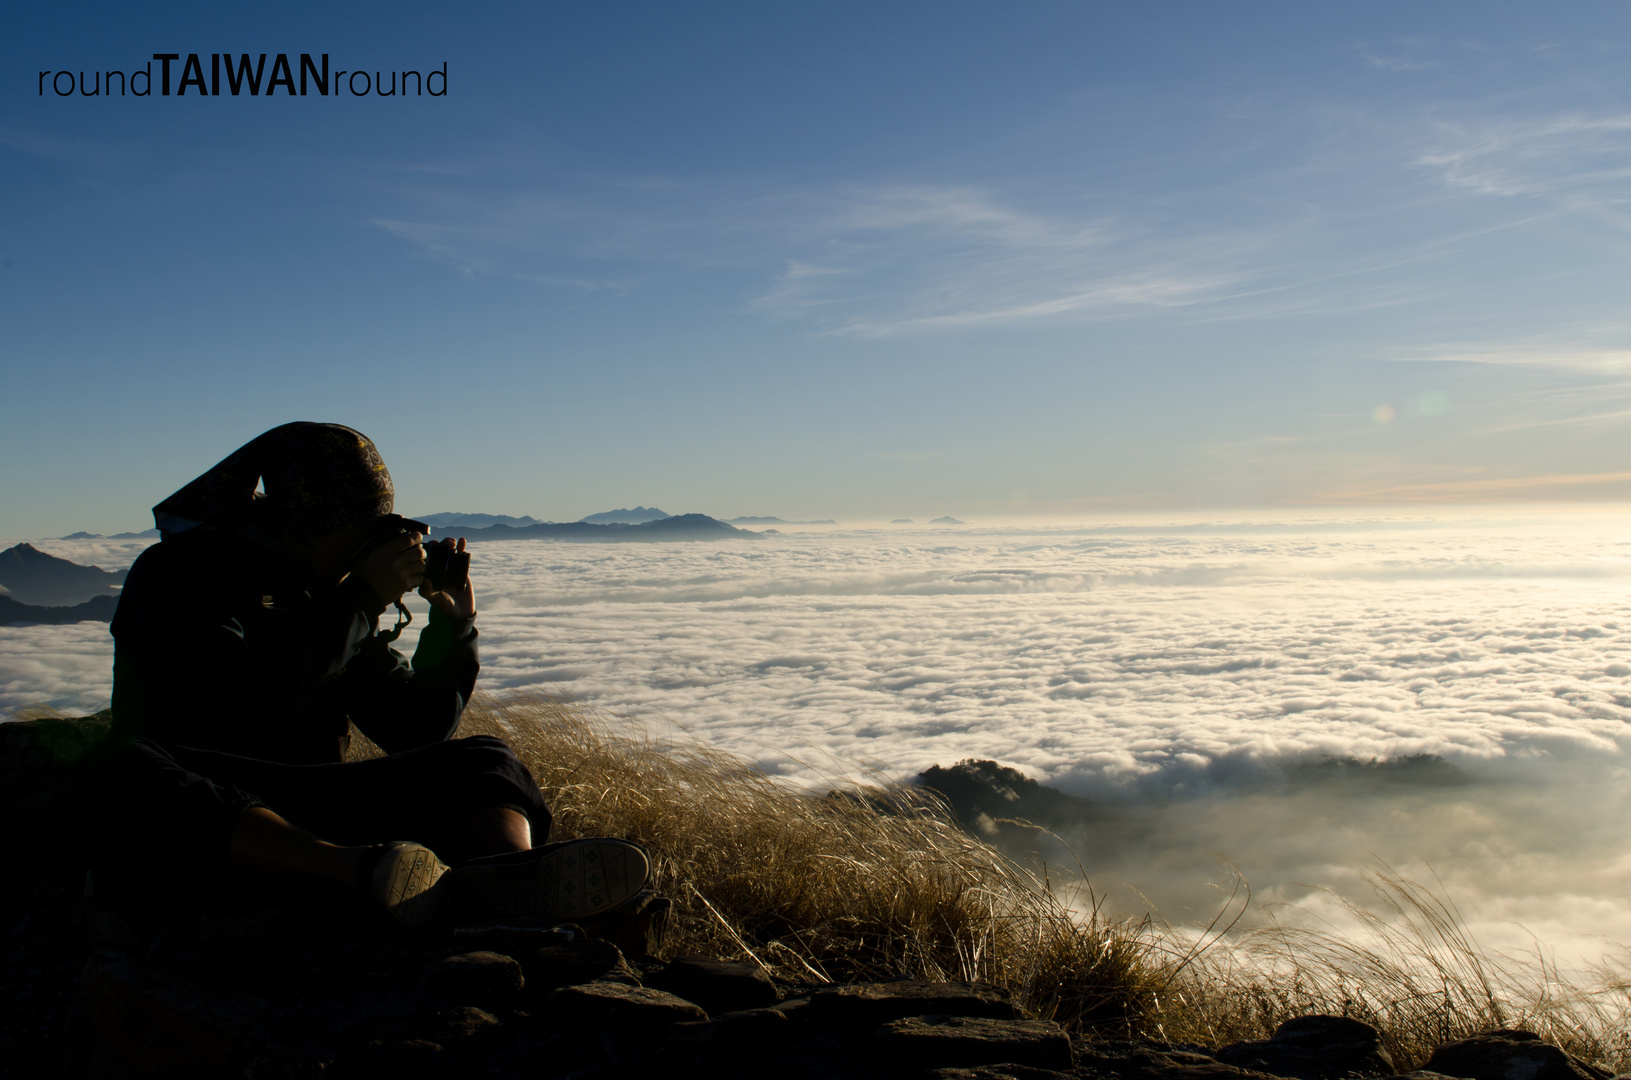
[[1176, 672]]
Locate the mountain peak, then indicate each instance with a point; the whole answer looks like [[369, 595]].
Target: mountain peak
[[623, 516], [32, 576]]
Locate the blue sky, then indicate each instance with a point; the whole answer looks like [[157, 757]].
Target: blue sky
[[830, 260]]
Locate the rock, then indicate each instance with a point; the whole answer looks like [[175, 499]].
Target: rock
[[478, 973], [997, 1072], [1314, 1048], [1510, 1055], [463, 1023], [577, 962], [731, 1031], [973, 1040], [405, 1055], [446, 1043], [157, 1023], [1140, 1060], [514, 937], [871, 1004], [634, 1008], [719, 986], [636, 927]]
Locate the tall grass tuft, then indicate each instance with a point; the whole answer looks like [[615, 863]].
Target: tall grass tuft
[[876, 882], [1412, 970], [870, 883]]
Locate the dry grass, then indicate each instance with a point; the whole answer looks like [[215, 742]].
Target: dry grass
[[878, 882], [1412, 971], [871, 884]]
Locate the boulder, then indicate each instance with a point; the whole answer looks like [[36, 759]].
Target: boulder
[[1314, 1048], [465, 1023], [636, 927], [477, 974], [632, 1008], [871, 1004], [514, 937], [719, 986], [466, 1035], [997, 1072], [1143, 1060], [576, 962], [408, 1057], [973, 1040], [748, 1029], [797, 1009], [1510, 1055], [449, 1043]]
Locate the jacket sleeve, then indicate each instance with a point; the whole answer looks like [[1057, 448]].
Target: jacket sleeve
[[400, 705]]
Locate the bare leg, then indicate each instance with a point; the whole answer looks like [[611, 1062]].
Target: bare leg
[[264, 843], [494, 831]]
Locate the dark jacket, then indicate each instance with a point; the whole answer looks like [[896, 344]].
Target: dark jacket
[[222, 642]]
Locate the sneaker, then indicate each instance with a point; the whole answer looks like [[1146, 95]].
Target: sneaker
[[407, 881], [575, 880]]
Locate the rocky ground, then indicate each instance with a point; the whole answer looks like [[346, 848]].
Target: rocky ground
[[276, 987]]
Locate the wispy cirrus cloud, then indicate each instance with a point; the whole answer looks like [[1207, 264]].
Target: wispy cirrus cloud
[[1572, 355], [1560, 154], [866, 261], [1357, 218]]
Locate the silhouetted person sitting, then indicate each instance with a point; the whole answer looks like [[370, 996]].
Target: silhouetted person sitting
[[248, 641]]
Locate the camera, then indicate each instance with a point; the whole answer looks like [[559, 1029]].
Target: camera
[[445, 569]]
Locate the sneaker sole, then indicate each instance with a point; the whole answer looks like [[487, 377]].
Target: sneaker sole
[[408, 882], [577, 880]]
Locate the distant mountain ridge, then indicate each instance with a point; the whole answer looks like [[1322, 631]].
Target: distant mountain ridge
[[473, 521], [96, 609], [672, 527], [638, 516], [776, 521], [143, 535], [30, 576]]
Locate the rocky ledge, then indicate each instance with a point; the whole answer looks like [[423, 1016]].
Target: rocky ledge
[[254, 985]]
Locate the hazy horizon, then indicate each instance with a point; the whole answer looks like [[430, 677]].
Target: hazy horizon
[[1195, 519]]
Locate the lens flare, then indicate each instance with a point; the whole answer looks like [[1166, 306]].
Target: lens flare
[[1382, 414]]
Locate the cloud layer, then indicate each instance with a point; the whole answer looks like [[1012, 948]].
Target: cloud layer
[[1112, 661], [1158, 669]]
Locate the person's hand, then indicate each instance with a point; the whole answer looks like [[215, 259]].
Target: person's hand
[[458, 606], [394, 567]]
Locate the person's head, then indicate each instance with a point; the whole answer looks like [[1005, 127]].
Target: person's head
[[325, 486]]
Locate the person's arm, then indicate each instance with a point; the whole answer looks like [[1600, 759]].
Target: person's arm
[[401, 705]]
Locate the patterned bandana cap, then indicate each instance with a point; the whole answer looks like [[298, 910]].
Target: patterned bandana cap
[[318, 478]]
